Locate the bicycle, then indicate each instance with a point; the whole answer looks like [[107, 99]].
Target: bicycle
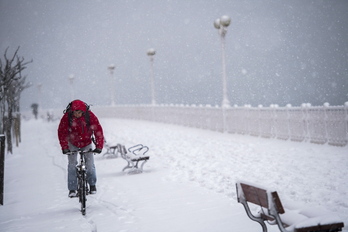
[[82, 186]]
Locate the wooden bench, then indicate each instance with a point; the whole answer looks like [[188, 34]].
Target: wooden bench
[[288, 219], [134, 156]]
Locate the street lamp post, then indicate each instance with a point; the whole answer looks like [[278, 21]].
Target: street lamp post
[[221, 24], [151, 52], [71, 80], [39, 86], [111, 68]]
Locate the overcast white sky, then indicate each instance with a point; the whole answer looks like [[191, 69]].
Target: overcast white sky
[[278, 52]]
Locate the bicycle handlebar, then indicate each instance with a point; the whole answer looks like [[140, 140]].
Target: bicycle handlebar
[[79, 151]]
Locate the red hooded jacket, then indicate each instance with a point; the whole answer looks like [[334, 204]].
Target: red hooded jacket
[[76, 131]]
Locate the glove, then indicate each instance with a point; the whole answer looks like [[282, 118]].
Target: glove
[[97, 150], [65, 151]]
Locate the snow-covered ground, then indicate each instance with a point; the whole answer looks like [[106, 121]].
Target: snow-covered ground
[[188, 185]]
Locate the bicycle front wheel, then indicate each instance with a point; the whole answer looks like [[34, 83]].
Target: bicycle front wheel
[[82, 193]]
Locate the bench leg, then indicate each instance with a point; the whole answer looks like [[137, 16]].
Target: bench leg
[[111, 152], [142, 165], [129, 165], [278, 221], [135, 167], [251, 216], [107, 152]]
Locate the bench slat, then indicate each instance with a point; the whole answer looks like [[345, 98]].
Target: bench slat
[[141, 158], [278, 203], [322, 228], [255, 195]]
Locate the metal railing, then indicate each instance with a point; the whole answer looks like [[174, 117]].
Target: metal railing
[[315, 124]]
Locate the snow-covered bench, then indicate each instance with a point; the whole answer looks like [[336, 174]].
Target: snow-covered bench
[[112, 151], [134, 155], [288, 218]]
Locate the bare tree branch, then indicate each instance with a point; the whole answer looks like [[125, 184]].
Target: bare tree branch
[[12, 83]]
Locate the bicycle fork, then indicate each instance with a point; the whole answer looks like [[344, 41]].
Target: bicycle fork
[[82, 179]]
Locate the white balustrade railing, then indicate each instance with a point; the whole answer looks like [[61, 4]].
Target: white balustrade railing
[[315, 124], [319, 124]]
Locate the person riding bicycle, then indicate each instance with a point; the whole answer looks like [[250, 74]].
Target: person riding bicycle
[[75, 131]]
